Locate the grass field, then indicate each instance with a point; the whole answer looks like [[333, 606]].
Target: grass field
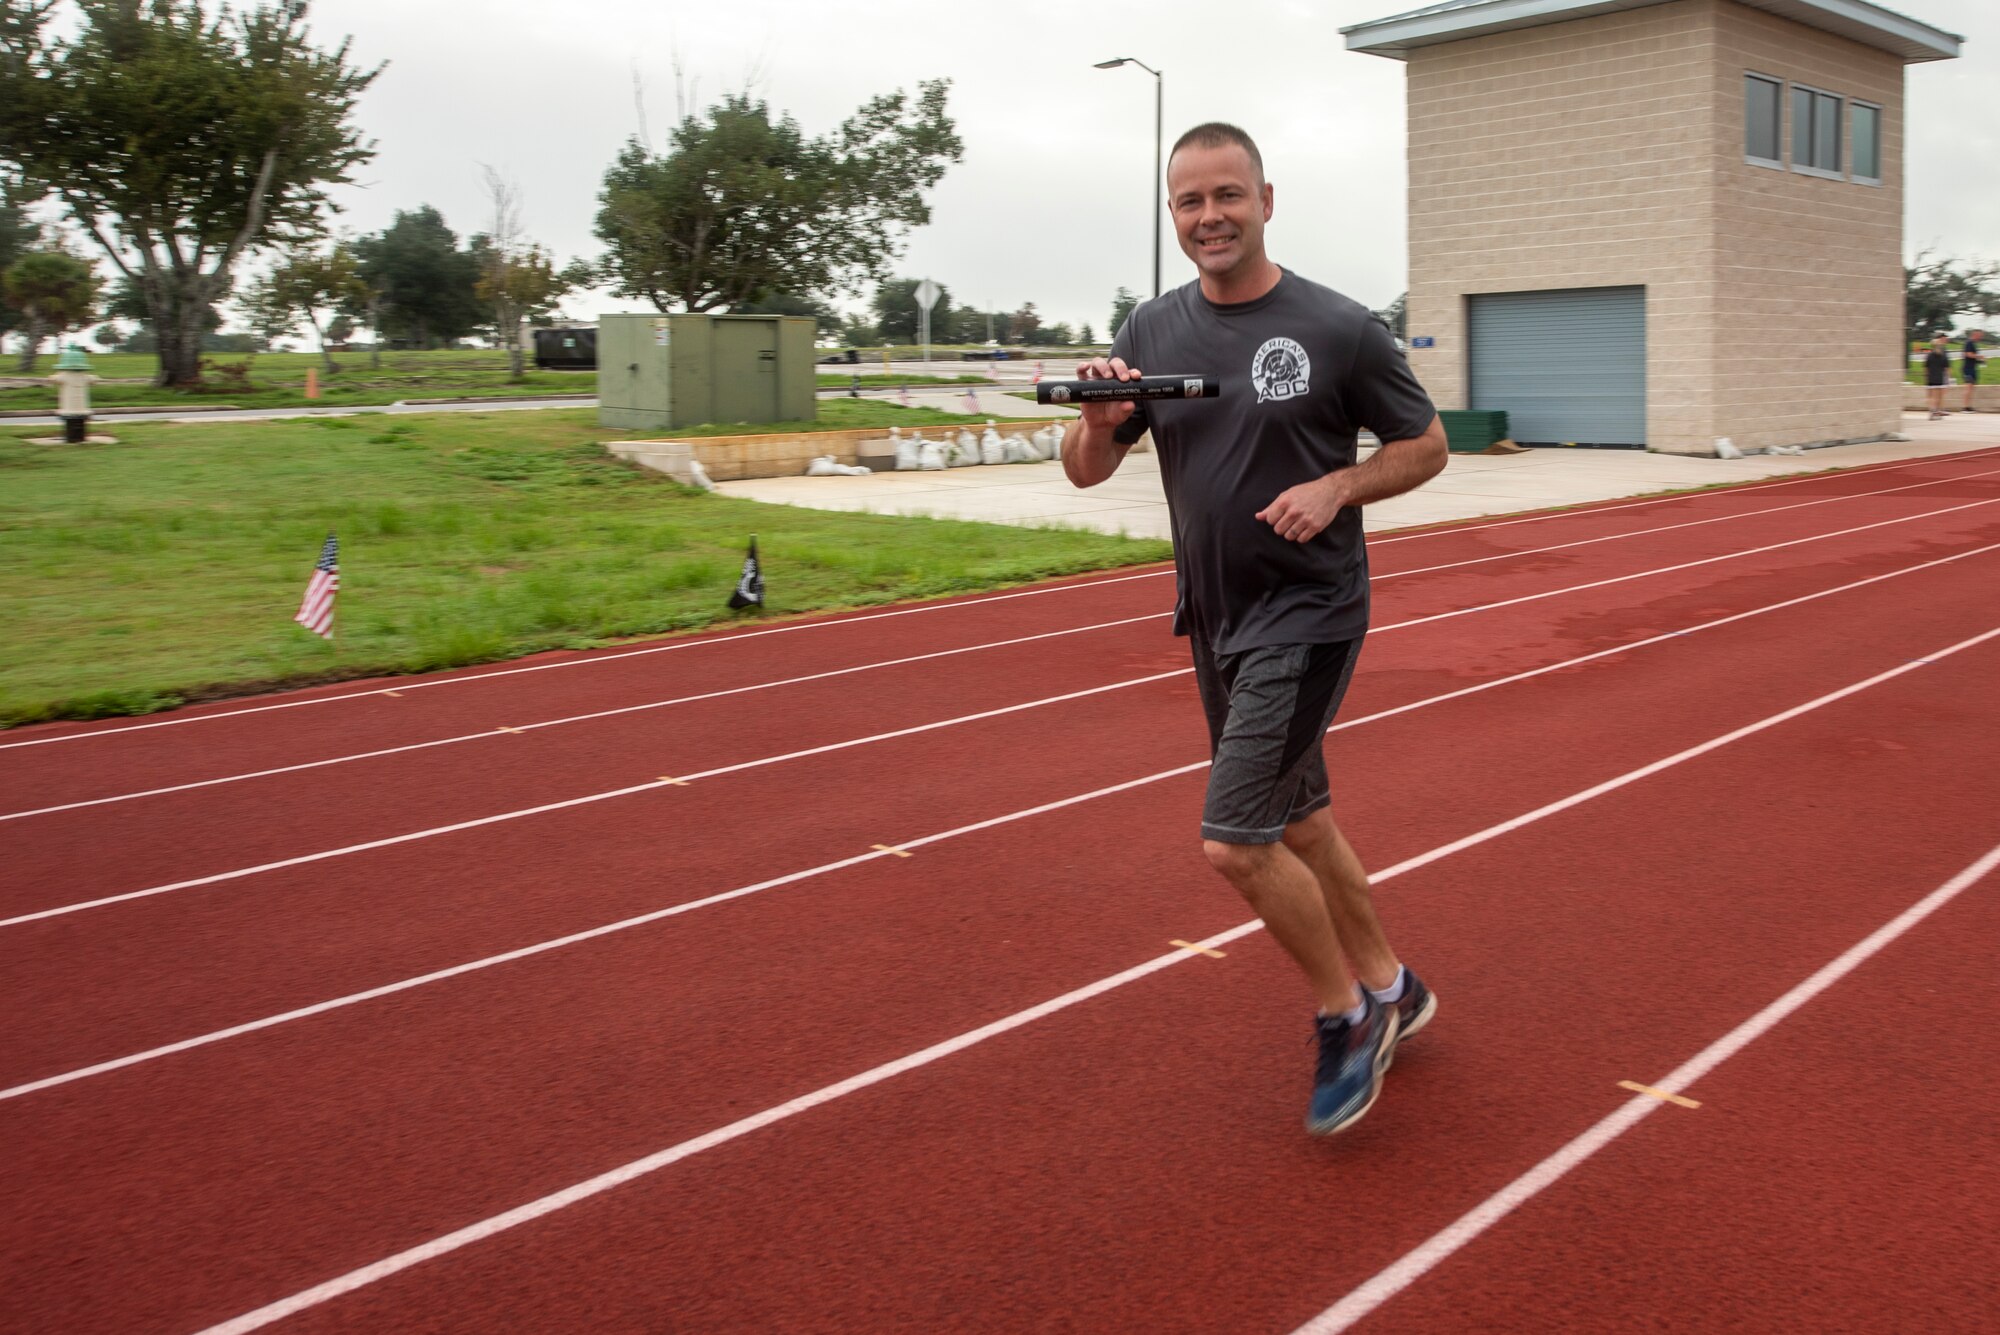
[[278, 380], [166, 568]]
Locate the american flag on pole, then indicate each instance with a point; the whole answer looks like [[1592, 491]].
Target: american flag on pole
[[316, 612]]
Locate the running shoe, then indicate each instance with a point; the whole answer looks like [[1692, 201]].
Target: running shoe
[[1415, 1007], [1352, 1058]]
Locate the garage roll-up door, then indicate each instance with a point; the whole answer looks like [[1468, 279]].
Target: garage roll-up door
[[1569, 367]]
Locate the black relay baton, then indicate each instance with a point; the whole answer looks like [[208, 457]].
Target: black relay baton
[[1128, 391]]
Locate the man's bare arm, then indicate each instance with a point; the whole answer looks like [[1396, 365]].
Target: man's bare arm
[[1090, 451], [1301, 512]]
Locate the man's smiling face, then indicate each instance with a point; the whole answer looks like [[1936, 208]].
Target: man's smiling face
[[1220, 203]]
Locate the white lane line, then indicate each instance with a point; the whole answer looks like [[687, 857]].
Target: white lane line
[[405, 684], [674, 781], [603, 1182], [1834, 474], [1669, 528], [1664, 636], [1428, 1255], [487, 735], [897, 662], [320, 1008], [1688, 565], [588, 798]]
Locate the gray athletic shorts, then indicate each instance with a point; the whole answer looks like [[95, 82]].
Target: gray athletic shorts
[[1268, 712]]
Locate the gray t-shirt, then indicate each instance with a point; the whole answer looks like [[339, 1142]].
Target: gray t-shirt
[[1303, 369]]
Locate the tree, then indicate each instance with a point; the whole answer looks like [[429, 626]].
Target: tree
[[108, 336], [181, 142], [126, 302], [784, 303], [365, 305], [1025, 326], [517, 287], [1123, 303], [306, 282], [895, 308], [966, 325], [517, 280], [1937, 291], [856, 331], [1396, 315], [1058, 333], [268, 309], [18, 236], [742, 204], [55, 292], [339, 329], [425, 287], [1086, 336]]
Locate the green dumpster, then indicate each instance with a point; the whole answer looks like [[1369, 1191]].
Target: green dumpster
[[1472, 430]]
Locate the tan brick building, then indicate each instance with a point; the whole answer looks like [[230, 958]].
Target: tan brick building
[[1659, 222]]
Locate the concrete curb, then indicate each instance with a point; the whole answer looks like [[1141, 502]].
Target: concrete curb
[[123, 409]]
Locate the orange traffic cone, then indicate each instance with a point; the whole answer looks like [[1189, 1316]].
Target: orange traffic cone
[[312, 382]]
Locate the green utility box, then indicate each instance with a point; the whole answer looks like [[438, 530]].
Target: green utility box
[[666, 371], [1472, 430]]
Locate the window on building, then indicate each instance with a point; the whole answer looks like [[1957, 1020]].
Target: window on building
[[1865, 136], [1815, 131], [1763, 108]]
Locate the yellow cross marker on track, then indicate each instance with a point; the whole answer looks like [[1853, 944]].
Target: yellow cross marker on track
[[892, 849], [1638, 1088], [1199, 950], [513, 730], [397, 694], [668, 778]]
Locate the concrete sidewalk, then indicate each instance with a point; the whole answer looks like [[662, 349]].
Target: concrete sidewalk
[[1132, 503]]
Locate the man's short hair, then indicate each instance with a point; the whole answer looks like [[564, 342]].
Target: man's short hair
[[1220, 134]]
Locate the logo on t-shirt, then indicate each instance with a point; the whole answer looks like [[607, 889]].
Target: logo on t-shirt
[[1281, 370]]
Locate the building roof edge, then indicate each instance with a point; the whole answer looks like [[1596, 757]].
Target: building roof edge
[[1456, 20]]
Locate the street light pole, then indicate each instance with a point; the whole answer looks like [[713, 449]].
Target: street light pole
[[1159, 185], [1159, 139]]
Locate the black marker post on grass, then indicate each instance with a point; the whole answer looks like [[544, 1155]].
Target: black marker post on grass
[[750, 585], [1066, 392]]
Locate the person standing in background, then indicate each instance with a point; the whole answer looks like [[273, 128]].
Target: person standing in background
[[1937, 373], [1970, 364]]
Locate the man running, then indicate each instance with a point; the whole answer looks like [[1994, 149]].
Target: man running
[[1265, 497]]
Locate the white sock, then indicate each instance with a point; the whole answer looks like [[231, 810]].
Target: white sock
[[1394, 991], [1355, 1016]]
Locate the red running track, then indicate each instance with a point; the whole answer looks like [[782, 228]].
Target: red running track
[[1132, 1161]]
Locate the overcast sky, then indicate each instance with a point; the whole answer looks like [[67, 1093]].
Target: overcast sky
[[1051, 203]]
